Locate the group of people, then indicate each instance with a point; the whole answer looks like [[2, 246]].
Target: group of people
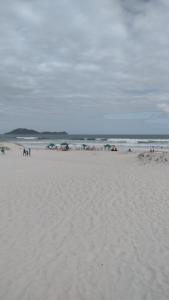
[[27, 152], [114, 148]]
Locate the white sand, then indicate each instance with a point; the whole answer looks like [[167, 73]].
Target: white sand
[[83, 226]]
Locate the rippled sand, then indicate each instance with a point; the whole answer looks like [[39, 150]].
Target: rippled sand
[[83, 226]]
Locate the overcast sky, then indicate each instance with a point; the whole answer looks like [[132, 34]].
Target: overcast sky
[[85, 66]]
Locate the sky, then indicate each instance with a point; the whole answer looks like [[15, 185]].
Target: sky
[[93, 66]]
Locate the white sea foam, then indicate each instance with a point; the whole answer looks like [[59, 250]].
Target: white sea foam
[[26, 138], [121, 143]]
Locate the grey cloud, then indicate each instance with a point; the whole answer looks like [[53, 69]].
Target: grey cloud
[[63, 61]]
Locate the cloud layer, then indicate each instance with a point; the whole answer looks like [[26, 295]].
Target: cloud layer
[[72, 64]]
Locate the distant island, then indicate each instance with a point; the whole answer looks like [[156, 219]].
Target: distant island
[[32, 132]]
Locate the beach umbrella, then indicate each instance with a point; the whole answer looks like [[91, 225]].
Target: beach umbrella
[[65, 146], [51, 146], [107, 146]]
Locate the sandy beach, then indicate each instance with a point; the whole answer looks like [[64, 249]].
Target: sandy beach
[[83, 226]]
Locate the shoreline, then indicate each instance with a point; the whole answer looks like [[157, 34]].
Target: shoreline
[[138, 143], [15, 146]]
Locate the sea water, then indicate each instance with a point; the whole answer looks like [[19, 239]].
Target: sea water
[[122, 142]]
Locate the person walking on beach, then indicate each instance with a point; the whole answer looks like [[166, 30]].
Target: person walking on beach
[[24, 152]]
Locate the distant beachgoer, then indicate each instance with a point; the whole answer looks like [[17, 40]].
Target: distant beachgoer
[[3, 150], [114, 148], [24, 152], [29, 151]]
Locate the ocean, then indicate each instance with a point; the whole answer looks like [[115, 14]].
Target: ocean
[[122, 142]]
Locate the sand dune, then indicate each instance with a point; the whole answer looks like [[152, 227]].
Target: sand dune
[[83, 226], [157, 157]]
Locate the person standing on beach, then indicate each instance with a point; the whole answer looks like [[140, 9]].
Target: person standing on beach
[[3, 150], [29, 151], [24, 152]]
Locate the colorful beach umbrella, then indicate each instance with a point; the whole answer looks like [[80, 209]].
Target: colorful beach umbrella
[[84, 146], [107, 146], [51, 146], [65, 146]]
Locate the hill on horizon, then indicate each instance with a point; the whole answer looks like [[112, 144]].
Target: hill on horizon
[[25, 131]]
